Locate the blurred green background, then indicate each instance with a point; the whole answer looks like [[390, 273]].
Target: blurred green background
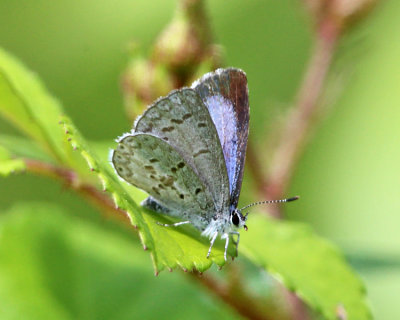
[[75, 264]]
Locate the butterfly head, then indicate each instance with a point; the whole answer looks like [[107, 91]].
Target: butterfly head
[[238, 219]]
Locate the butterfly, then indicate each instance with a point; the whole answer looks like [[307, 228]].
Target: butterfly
[[187, 151]]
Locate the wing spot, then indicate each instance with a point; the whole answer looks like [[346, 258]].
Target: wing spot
[[153, 160], [153, 177], [186, 116], [173, 169], [164, 105], [198, 190], [165, 138], [201, 125], [168, 129], [202, 151], [155, 116], [150, 168], [180, 165], [161, 186], [181, 196], [169, 181], [156, 190], [177, 121], [148, 129]]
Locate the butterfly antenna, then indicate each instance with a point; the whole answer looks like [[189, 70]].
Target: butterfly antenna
[[269, 201]]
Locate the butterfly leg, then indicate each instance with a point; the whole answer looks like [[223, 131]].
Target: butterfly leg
[[226, 245], [237, 241], [173, 224], [212, 243]]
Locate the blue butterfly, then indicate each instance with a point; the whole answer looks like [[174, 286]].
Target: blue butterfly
[[187, 151]]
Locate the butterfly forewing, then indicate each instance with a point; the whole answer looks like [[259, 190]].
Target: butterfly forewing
[[225, 94], [154, 166], [183, 121]]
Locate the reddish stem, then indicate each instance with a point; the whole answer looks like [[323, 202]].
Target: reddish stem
[[71, 180], [301, 119], [295, 132], [244, 306]]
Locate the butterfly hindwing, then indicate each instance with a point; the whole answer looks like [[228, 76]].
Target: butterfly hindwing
[[152, 165], [225, 94], [183, 121]]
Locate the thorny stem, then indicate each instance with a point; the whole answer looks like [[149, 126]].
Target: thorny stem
[[301, 119]]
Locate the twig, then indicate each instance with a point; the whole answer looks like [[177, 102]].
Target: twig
[[71, 180], [244, 306]]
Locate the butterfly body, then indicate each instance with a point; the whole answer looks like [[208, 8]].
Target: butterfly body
[[187, 152]]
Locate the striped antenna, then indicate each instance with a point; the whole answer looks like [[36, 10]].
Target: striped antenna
[[270, 201]]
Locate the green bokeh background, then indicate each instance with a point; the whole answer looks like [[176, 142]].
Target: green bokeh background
[[349, 176]]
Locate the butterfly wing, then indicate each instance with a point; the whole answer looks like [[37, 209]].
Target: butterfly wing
[[225, 94], [154, 166], [184, 122]]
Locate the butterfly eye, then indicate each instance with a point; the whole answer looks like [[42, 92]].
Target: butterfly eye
[[235, 219]]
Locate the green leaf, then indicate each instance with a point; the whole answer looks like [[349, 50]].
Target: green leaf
[[170, 247], [25, 102], [9, 165], [306, 264], [56, 266]]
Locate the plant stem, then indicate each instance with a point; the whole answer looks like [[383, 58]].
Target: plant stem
[[71, 180], [301, 119], [300, 122], [245, 306]]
